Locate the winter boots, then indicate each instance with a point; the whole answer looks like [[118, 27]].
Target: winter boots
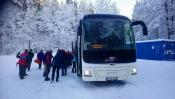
[[47, 79]]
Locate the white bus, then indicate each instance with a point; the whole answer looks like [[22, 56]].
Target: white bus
[[105, 47]]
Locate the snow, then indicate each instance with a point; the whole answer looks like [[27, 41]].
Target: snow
[[156, 40], [155, 80]]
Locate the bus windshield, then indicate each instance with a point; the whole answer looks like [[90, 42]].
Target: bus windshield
[[106, 39], [108, 34]]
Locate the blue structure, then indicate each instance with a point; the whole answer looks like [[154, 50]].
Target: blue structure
[[163, 50]]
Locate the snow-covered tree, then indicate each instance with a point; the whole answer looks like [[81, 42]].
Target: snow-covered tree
[[106, 7], [46, 23], [85, 7], [158, 15]]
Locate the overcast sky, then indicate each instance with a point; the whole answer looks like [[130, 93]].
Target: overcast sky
[[126, 7]]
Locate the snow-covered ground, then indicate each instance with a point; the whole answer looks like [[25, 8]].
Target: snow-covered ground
[[156, 80]]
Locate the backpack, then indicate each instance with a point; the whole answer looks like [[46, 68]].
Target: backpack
[[23, 59], [37, 61], [48, 57]]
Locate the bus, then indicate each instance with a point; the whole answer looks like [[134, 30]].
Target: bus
[[105, 47]]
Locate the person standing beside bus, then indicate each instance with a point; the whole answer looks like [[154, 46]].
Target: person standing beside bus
[[74, 63], [66, 62], [57, 63]]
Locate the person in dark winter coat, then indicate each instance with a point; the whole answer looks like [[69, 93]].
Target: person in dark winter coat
[[57, 63], [23, 64], [67, 62], [70, 57], [48, 64], [41, 57], [64, 65], [31, 55], [74, 60]]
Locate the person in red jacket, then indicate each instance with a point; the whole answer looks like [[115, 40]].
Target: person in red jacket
[[23, 64], [48, 63]]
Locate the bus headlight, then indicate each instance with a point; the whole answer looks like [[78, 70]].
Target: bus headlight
[[134, 71], [87, 73]]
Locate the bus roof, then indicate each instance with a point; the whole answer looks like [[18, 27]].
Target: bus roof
[[105, 16]]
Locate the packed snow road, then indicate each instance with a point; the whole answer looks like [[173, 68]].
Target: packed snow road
[[155, 80]]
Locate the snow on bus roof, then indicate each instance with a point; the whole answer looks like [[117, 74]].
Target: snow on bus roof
[[156, 40], [104, 16]]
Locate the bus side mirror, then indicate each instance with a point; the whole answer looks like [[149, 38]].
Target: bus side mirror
[[79, 31], [144, 27]]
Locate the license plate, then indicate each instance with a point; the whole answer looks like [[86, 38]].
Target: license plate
[[111, 78]]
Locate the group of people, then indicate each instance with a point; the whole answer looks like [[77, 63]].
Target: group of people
[[60, 61]]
